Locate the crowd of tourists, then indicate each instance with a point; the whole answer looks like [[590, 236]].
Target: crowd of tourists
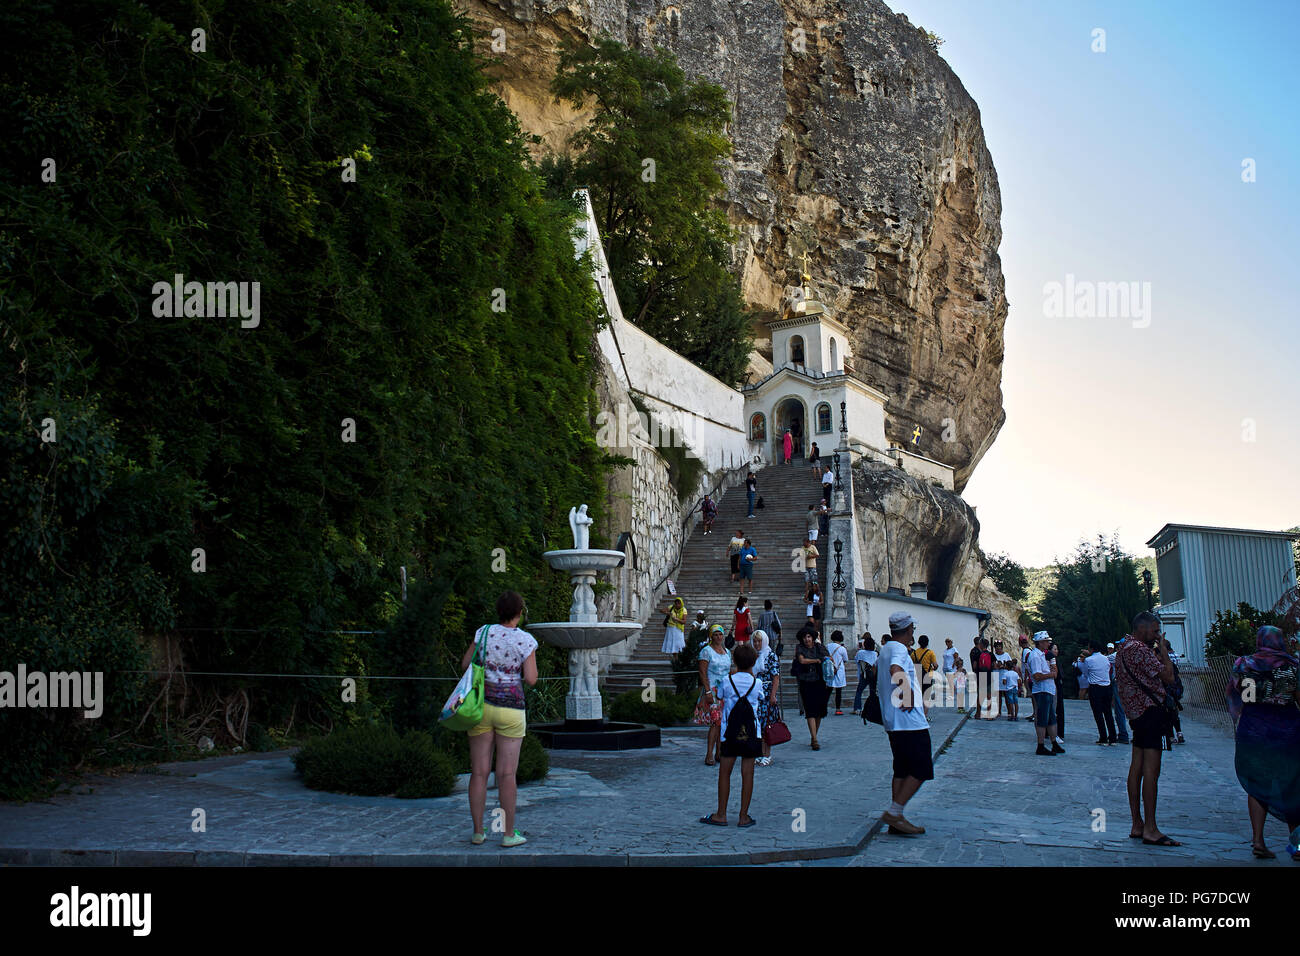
[[1132, 686]]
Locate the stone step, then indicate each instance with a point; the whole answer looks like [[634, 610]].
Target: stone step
[[703, 576]]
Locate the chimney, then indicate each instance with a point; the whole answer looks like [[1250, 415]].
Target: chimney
[[919, 590]]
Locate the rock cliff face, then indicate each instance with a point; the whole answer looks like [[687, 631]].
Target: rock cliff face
[[855, 143], [911, 531]]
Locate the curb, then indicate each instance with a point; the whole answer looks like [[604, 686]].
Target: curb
[[880, 823], [23, 856]]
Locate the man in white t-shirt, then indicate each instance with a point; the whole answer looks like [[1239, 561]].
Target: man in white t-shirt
[[899, 688], [1043, 678], [1096, 675]]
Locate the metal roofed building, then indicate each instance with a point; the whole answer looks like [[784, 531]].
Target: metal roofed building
[[1204, 569]]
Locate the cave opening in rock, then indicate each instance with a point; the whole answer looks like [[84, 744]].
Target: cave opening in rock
[[940, 577]]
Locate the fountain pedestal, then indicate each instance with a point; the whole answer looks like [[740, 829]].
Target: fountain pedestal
[[584, 726]]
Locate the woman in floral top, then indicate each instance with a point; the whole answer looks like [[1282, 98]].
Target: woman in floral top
[[509, 662], [715, 667]]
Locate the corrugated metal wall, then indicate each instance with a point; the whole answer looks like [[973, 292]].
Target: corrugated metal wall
[[1222, 570]]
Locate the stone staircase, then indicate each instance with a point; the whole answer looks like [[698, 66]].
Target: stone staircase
[[703, 579]]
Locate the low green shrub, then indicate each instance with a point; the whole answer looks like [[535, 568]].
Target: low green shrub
[[664, 711], [534, 761], [259, 739], [374, 760]]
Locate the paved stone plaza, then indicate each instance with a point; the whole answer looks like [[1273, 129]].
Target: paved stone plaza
[[993, 803]]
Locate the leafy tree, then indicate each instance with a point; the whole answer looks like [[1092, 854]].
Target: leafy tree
[[651, 157], [1009, 576], [1233, 632], [434, 302], [1096, 594]]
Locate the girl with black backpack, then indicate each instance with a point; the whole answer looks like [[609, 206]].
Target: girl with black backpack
[[741, 740]]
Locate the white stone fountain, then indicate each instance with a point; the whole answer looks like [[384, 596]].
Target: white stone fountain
[[584, 635]]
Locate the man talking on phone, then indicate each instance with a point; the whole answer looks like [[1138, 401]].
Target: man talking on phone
[[1142, 672]]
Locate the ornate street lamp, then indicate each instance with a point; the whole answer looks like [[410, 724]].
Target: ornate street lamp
[[844, 425], [838, 585], [1146, 581]]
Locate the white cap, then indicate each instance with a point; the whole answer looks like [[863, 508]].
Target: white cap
[[1109, 646], [1041, 636], [900, 621]]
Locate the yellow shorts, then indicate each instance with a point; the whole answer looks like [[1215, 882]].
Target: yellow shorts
[[506, 721]]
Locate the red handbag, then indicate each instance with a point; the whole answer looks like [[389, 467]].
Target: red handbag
[[776, 733]]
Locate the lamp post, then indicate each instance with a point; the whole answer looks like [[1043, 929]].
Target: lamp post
[[1146, 581], [844, 425], [837, 585]]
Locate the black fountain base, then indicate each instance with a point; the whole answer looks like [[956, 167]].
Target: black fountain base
[[596, 735]]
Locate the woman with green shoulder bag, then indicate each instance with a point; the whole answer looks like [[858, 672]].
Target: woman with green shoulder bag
[[509, 658]]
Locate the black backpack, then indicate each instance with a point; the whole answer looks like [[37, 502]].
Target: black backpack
[[742, 725]]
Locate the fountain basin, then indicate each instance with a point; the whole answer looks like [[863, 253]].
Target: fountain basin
[[596, 735], [583, 559], [583, 636]]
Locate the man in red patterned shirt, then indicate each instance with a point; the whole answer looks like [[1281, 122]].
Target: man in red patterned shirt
[[1142, 672]]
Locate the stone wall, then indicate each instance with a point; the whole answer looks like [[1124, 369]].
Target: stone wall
[[640, 499]]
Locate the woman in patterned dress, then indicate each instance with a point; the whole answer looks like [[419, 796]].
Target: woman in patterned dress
[[715, 666], [768, 671]]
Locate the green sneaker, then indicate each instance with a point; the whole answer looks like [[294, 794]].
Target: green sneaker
[[478, 838], [514, 839]]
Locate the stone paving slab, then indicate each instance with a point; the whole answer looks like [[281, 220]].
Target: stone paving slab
[[629, 808], [995, 803]]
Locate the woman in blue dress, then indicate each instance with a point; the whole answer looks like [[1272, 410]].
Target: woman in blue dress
[[1264, 698], [715, 666]]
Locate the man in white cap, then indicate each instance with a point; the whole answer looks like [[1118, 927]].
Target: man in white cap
[[899, 690], [1043, 687]]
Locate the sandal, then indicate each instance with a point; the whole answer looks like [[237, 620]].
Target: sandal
[[816, 745], [751, 822], [1263, 853], [1163, 841], [711, 822]]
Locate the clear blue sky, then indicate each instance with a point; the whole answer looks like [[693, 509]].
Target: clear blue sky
[[1127, 166]]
